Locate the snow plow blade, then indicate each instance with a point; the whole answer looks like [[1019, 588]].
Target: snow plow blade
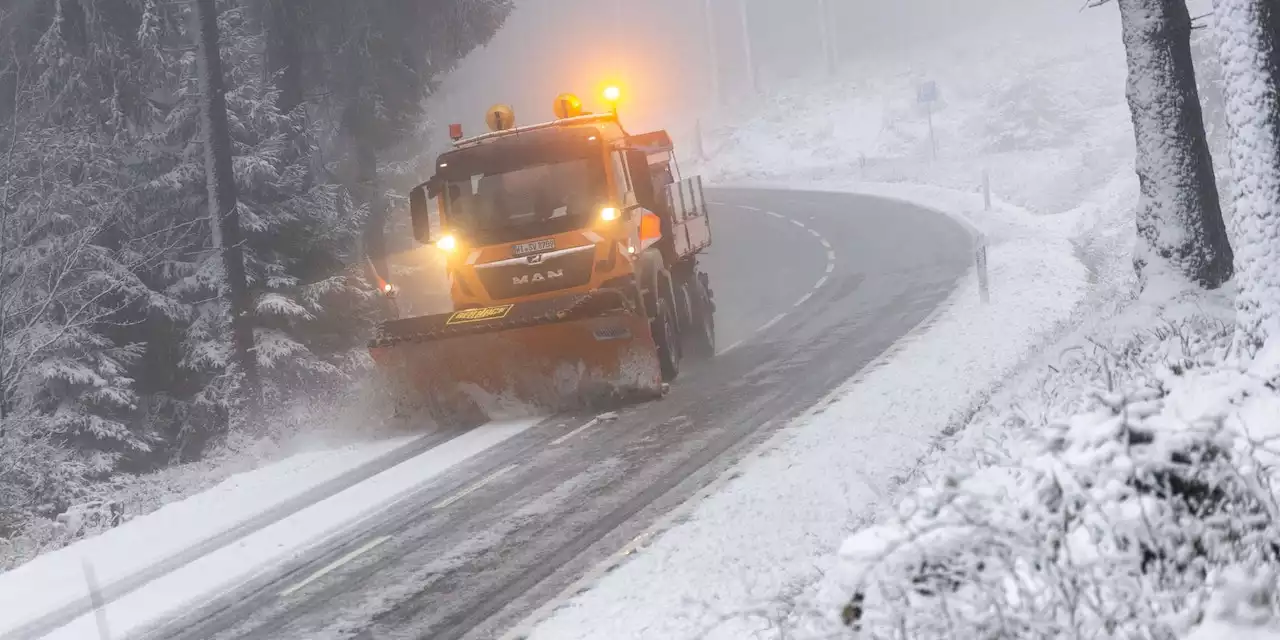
[[523, 358]]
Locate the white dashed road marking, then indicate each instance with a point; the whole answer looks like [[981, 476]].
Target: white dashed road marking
[[776, 319], [473, 488], [334, 565], [831, 267], [569, 436]]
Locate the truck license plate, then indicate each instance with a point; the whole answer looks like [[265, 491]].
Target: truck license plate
[[536, 246]]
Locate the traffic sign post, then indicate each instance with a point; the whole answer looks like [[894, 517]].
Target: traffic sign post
[[927, 94]]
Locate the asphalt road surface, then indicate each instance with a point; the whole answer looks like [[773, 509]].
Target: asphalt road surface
[[810, 287]]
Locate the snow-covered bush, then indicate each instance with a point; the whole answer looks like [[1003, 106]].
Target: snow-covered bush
[[1114, 522]]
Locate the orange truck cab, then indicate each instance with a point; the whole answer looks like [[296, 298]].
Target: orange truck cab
[[571, 246]]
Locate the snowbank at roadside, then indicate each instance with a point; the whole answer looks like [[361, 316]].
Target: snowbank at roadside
[[744, 552], [1123, 488], [57, 578]]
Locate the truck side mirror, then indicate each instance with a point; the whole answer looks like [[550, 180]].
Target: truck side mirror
[[642, 180], [420, 212]]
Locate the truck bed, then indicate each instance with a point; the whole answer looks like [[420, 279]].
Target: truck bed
[[691, 224]]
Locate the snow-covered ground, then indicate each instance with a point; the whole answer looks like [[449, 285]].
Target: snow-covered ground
[[57, 578], [45, 584], [1051, 486], [1036, 104]]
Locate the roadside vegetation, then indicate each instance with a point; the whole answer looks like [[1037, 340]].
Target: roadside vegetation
[[1132, 491]]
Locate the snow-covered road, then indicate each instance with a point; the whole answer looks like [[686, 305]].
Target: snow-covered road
[[810, 290]]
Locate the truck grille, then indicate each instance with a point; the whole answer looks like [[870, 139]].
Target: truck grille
[[552, 274]]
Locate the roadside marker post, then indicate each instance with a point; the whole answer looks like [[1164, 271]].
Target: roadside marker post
[[986, 190], [95, 596], [981, 258]]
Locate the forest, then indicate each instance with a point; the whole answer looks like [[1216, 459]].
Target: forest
[[195, 200]]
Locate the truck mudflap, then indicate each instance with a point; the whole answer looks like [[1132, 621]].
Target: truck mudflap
[[519, 359]]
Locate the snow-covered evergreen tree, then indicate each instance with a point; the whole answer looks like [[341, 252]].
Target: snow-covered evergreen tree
[[68, 266], [114, 338], [297, 245]]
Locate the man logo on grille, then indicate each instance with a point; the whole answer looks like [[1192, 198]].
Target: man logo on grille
[[538, 277]]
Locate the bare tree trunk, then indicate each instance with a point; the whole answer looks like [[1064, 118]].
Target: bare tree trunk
[[374, 236], [284, 51], [1179, 218], [748, 45], [830, 54], [1249, 35], [223, 209]]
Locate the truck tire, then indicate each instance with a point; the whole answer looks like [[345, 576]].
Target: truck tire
[[659, 301], [699, 331], [666, 336]]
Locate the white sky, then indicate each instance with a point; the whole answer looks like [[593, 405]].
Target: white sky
[[661, 56]]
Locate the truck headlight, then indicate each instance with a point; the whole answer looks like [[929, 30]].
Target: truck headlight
[[608, 214], [447, 243]]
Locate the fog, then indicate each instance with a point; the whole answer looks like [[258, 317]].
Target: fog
[[658, 51]]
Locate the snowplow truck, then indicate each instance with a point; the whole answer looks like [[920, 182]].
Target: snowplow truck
[[572, 257]]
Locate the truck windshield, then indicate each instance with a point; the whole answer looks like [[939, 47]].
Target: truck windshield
[[541, 199]]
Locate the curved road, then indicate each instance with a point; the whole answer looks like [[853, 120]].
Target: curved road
[[810, 288]]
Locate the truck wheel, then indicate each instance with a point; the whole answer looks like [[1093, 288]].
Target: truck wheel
[[700, 333], [659, 300], [667, 339]]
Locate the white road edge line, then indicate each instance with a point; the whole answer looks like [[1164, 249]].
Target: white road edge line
[[730, 348], [568, 436], [826, 245], [368, 546], [798, 223], [775, 214], [473, 488], [820, 283], [803, 300], [776, 319], [831, 266]]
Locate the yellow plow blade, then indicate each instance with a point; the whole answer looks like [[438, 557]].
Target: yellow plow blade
[[519, 359]]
